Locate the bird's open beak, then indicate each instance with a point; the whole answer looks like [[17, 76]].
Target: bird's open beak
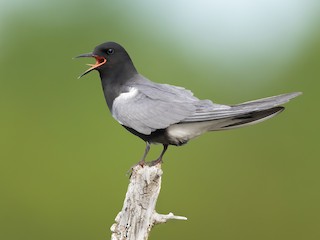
[[99, 62]]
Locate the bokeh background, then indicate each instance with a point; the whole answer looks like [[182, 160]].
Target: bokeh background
[[63, 159]]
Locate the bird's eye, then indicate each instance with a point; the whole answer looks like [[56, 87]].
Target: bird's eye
[[110, 51]]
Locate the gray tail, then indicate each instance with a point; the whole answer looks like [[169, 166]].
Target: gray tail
[[253, 112], [220, 117], [248, 119]]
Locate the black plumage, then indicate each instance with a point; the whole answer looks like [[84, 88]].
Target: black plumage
[[166, 114]]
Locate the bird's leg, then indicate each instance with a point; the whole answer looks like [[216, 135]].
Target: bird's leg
[[142, 161], [159, 160]]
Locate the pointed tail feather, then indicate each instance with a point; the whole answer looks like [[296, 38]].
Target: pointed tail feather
[[247, 119], [221, 112], [223, 117], [269, 102]]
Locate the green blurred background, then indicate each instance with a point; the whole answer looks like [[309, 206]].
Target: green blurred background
[[63, 159]]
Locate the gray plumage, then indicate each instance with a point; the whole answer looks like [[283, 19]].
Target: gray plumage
[[157, 106], [166, 114]]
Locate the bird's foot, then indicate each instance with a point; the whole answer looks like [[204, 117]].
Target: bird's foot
[[154, 162], [142, 163]]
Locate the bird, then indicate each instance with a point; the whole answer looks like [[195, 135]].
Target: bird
[[167, 114]]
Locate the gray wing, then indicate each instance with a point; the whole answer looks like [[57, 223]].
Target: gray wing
[[214, 113], [149, 106]]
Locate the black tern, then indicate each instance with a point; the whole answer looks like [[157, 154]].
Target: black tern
[[166, 114]]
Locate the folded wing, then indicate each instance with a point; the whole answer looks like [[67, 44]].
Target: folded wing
[[147, 106]]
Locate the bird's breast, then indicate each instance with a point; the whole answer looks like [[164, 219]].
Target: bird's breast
[[123, 99]]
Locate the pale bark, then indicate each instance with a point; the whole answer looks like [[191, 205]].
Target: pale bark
[[138, 214]]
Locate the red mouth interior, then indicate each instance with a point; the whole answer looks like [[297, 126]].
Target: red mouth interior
[[99, 62]]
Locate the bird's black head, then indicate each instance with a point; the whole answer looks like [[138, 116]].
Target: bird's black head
[[108, 55]]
